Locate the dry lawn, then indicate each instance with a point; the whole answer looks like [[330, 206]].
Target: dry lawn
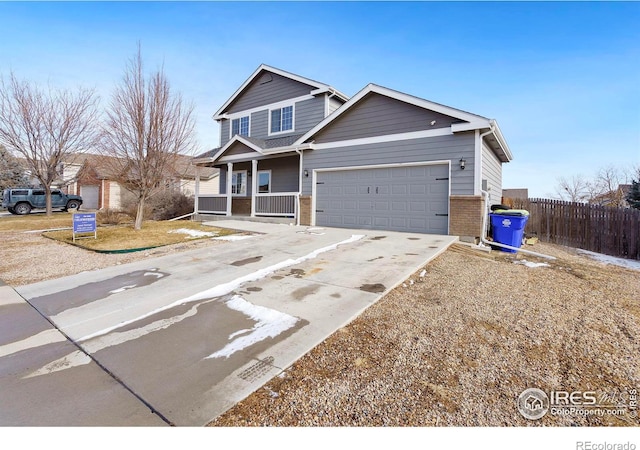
[[125, 237], [457, 347], [29, 257], [36, 221]]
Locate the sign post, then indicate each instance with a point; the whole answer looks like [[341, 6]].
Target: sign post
[[84, 223]]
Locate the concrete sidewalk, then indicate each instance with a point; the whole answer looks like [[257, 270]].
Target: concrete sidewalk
[[192, 333], [87, 396]]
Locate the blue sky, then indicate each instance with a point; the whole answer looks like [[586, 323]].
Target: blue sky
[[562, 79]]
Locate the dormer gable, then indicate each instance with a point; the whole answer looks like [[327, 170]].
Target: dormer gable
[[268, 85]]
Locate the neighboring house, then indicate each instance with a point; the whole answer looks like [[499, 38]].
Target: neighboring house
[[520, 193], [88, 175], [383, 160], [614, 199]]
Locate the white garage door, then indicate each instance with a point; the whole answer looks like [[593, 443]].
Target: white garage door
[[404, 198], [89, 196]]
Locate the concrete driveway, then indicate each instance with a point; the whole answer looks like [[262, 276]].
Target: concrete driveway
[[181, 338]]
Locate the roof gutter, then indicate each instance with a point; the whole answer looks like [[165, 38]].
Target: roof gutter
[[500, 138]]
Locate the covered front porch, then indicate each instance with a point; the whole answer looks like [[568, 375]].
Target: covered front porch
[[265, 186]]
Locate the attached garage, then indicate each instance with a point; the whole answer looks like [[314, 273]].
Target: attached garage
[[404, 197], [90, 196]]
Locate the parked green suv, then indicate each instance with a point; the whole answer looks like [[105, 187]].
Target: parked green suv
[[23, 200]]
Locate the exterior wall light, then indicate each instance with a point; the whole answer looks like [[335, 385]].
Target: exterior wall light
[[306, 173], [462, 163]]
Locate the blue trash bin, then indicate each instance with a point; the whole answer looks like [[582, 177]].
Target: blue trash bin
[[508, 228]]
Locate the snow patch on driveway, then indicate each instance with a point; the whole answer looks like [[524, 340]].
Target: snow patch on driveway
[[269, 324], [232, 238], [226, 288]]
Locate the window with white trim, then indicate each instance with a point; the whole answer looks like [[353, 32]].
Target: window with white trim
[[239, 182], [240, 126], [264, 181], [281, 119]]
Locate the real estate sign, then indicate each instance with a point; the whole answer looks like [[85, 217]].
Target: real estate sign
[[84, 223]]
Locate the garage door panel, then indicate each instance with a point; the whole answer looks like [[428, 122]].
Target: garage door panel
[[399, 206], [381, 223], [365, 221], [381, 206], [417, 189], [407, 198], [417, 207]]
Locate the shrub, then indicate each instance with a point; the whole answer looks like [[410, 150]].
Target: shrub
[[163, 205], [112, 217], [169, 204]]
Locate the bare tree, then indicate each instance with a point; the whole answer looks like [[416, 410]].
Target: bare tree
[[11, 171], [147, 127], [574, 189], [607, 182], [45, 127]]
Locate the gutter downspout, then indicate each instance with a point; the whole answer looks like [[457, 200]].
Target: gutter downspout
[[479, 162], [485, 194], [299, 152]]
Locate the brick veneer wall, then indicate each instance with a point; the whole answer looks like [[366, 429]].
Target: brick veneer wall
[[465, 216], [105, 200], [305, 210], [241, 206]]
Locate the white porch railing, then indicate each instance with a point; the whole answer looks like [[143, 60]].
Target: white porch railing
[[283, 204], [212, 204]]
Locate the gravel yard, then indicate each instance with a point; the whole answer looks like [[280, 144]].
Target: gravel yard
[[29, 257], [454, 347], [459, 345]]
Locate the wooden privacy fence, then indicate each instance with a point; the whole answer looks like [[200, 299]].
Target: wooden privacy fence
[[602, 229]]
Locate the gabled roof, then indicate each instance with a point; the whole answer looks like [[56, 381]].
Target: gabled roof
[[319, 87], [471, 121], [264, 147], [103, 166], [374, 88]]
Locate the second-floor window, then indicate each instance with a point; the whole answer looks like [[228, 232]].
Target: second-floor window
[[281, 119], [240, 126]]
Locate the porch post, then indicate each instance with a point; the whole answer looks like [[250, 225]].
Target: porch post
[[254, 185], [229, 184], [195, 200]]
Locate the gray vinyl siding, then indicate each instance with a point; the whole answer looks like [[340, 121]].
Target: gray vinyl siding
[[492, 172], [308, 114], [222, 188], [259, 124], [239, 149], [438, 148], [268, 88], [225, 130], [334, 104], [284, 173], [377, 115]]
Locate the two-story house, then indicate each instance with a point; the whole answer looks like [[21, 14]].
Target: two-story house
[[384, 160]]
